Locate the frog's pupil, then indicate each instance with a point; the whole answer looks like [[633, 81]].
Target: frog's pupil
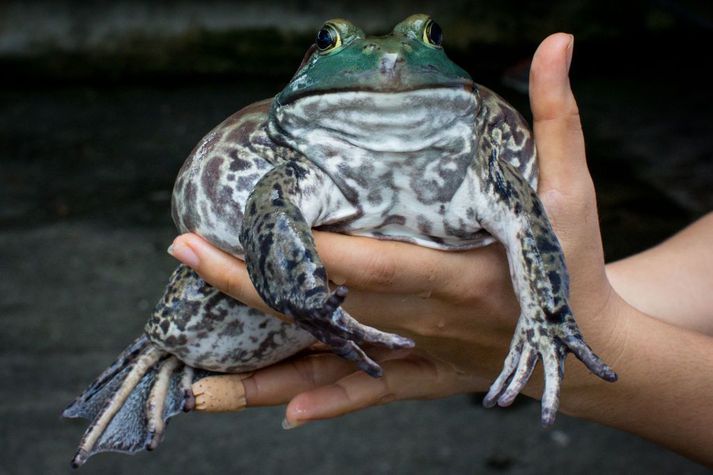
[[435, 34], [325, 38]]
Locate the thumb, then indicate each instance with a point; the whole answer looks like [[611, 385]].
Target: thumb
[[556, 122]]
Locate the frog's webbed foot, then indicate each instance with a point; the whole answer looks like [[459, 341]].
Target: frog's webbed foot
[[131, 402], [548, 339], [333, 326]]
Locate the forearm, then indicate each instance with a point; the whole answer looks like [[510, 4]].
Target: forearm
[[672, 281], [664, 388]]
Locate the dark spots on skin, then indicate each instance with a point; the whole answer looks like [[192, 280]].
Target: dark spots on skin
[[296, 170], [165, 324], [394, 219], [537, 208], [359, 176], [374, 197], [424, 224], [557, 316], [238, 164], [450, 170], [555, 281], [187, 212], [320, 274], [219, 203], [547, 245], [240, 134], [503, 188], [515, 124]]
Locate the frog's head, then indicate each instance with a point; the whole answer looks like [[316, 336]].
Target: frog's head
[[343, 58]]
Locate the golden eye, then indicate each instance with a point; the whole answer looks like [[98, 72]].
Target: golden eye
[[328, 38], [432, 34]]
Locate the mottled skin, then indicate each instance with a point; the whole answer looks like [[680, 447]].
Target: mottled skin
[[382, 137]]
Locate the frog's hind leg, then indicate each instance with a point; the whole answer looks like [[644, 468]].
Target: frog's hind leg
[[130, 403]]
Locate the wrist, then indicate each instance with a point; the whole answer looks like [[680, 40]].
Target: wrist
[[662, 393]]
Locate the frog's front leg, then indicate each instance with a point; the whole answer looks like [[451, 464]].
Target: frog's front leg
[[283, 264], [546, 328]]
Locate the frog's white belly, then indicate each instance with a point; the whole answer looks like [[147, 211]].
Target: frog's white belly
[[398, 157]]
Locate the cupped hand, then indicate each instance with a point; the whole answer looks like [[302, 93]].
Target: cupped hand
[[459, 307]]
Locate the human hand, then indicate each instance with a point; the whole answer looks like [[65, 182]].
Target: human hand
[[458, 306]]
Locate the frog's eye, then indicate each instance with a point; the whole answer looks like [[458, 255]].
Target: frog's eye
[[432, 34], [328, 38]]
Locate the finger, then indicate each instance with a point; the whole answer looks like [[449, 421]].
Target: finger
[[396, 267], [270, 386], [359, 263], [219, 269], [279, 383], [410, 378], [557, 126]]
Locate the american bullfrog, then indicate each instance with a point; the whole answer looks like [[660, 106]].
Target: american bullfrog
[[373, 136]]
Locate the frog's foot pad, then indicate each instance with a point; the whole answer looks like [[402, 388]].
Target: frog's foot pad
[[550, 343], [130, 403], [331, 325]]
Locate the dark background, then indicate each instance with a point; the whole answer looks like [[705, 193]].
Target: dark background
[[100, 102]]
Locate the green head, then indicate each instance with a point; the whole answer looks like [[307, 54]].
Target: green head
[[343, 58]]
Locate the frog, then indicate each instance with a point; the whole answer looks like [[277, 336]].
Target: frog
[[376, 136]]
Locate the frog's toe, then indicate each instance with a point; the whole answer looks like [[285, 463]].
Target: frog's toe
[[506, 375], [156, 403], [349, 328], [528, 360], [189, 399], [574, 342], [351, 352]]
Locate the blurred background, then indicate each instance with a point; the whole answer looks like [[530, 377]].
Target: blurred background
[[100, 103]]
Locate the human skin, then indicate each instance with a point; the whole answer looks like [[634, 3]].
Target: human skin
[[650, 316]]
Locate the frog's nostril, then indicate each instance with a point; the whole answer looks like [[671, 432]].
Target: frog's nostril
[[390, 61]]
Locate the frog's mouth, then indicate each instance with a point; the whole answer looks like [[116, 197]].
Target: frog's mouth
[[294, 94], [421, 119]]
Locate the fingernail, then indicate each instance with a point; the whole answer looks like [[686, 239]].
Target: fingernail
[[184, 254], [287, 425], [570, 50]]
